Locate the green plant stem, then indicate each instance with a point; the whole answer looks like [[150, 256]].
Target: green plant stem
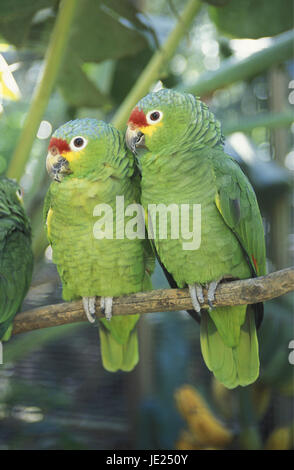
[[232, 69], [53, 59], [154, 68], [269, 120]]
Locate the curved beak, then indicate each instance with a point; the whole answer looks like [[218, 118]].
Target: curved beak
[[135, 139], [57, 166]]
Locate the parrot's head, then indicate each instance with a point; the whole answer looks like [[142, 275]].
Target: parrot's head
[[11, 193], [81, 148], [11, 200], [166, 120]]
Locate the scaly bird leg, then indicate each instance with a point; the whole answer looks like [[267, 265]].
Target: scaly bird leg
[[106, 307], [212, 286], [89, 308], [197, 297]]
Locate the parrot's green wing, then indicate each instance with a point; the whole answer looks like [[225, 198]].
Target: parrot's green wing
[[47, 205], [16, 264], [237, 204], [46, 209]]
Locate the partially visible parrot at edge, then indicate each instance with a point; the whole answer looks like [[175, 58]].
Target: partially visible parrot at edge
[[179, 148], [90, 165], [16, 256]]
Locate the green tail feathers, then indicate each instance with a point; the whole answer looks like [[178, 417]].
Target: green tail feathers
[[6, 330], [232, 364], [119, 338], [119, 343]]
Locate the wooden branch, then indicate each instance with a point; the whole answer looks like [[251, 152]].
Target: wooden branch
[[60, 37], [248, 291]]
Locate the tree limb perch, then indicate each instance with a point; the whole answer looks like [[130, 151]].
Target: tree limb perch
[[247, 291]]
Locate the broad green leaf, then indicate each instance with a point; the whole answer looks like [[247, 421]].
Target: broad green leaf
[[99, 33], [253, 18], [16, 17], [77, 89], [102, 30]]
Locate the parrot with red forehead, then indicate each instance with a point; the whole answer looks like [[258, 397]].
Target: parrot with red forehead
[[179, 148], [90, 166]]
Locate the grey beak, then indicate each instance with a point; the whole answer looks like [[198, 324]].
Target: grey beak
[[135, 139], [57, 166]]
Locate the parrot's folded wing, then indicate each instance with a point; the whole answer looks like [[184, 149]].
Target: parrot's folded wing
[[46, 213], [237, 204]]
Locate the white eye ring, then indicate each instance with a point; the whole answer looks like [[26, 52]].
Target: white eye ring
[[19, 194], [78, 143], [155, 116]]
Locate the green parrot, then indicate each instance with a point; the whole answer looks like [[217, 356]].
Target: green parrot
[[91, 166], [180, 153], [16, 257]]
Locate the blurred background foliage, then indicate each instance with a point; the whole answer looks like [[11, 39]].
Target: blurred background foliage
[[63, 60]]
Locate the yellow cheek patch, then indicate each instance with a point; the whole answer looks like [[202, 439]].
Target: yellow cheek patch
[[149, 130], [71, 156]]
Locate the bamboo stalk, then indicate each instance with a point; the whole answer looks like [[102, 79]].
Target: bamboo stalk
[[243, 292], [154, 68], [271, 120], [231, 70]]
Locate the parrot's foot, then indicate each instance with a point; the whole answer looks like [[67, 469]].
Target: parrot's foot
[[106, 307], [197, 297], [212, 286], [89, 308]]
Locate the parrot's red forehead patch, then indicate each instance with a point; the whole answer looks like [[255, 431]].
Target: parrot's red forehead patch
[[138, 118], [61, 145]]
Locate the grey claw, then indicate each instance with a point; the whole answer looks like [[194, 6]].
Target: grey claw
[[211, 292], [199, 292], [197, 297], [89, 308], [106, 307]]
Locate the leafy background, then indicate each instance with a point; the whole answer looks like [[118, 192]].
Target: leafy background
[[236, 54]]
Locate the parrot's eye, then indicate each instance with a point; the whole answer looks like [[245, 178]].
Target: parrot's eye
[[19, 194], [153, 117], [78, 143]]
